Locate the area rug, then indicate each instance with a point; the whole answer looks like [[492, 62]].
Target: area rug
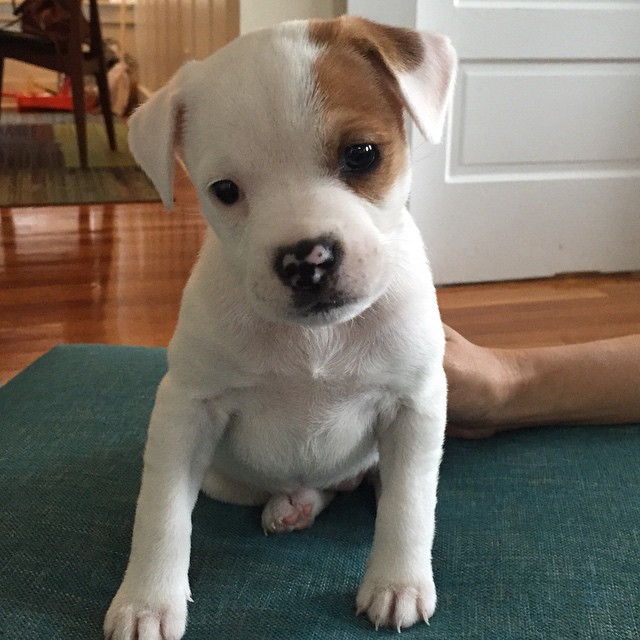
[[538, 531], [40, 165]]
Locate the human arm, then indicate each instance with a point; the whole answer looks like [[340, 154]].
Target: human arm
[[493, 390]]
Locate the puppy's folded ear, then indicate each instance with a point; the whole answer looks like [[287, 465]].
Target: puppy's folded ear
[[154, 132], [422, 64], [428, 89]]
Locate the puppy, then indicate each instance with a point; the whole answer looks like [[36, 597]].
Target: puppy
[[309, 347]]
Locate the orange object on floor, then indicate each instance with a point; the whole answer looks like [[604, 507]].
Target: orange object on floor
[[62, 101]]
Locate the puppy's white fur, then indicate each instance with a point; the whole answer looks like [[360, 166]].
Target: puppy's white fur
[[263, 403]]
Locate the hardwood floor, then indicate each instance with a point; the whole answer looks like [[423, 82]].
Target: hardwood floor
[[562, 310], [114, 274], [98, 273]]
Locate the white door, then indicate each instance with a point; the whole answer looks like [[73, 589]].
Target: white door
[[539, 173]]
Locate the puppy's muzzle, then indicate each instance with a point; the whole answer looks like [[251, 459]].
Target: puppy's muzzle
[[309, 268]]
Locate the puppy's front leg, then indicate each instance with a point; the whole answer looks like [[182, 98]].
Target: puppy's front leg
[[152, 600], [398, 589]]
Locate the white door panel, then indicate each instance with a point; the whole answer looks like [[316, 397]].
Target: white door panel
[[540, 170], [529, 120], [534, 30]]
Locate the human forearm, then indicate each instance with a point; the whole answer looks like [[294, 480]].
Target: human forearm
[[493, 390], [591, 383]]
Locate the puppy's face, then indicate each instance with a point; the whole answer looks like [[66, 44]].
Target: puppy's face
[[294, 138]]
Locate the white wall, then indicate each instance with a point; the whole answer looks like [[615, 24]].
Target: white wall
[[258, 14]]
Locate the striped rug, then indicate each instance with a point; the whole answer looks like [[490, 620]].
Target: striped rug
[[39, 163]]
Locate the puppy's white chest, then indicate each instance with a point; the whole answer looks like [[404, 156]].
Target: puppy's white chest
[[295, 430]]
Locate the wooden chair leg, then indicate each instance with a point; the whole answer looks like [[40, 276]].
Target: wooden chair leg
[[1, 72], [79, 114], [105, 105]]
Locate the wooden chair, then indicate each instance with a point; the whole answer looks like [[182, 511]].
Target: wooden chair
[[74, 62]]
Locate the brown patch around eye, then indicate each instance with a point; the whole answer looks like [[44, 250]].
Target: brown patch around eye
[[361, 103]]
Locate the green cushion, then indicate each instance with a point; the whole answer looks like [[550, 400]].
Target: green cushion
[[537, 537]]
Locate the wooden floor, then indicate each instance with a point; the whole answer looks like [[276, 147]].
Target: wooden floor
[[114, 274]]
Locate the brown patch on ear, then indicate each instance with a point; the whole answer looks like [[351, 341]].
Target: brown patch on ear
[[360, 98], [402, 49]]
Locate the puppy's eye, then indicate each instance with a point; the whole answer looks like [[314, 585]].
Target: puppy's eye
[[226, 191], [357, 159]]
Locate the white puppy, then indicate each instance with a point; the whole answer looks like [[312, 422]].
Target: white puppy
[[309, 347]]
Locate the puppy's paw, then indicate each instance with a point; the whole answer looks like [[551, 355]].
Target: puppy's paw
[[396, 605], [284, 512], [145, 616]]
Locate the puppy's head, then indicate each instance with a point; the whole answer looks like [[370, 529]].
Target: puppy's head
[[295, 140]]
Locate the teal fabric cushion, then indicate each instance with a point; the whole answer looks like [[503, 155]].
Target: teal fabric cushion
[[538, 531]]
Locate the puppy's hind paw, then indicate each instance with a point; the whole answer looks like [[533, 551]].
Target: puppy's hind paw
[[283, 514], [396, 606], [290, 512]]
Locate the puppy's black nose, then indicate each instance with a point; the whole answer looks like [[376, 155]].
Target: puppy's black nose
[[307, 265]]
